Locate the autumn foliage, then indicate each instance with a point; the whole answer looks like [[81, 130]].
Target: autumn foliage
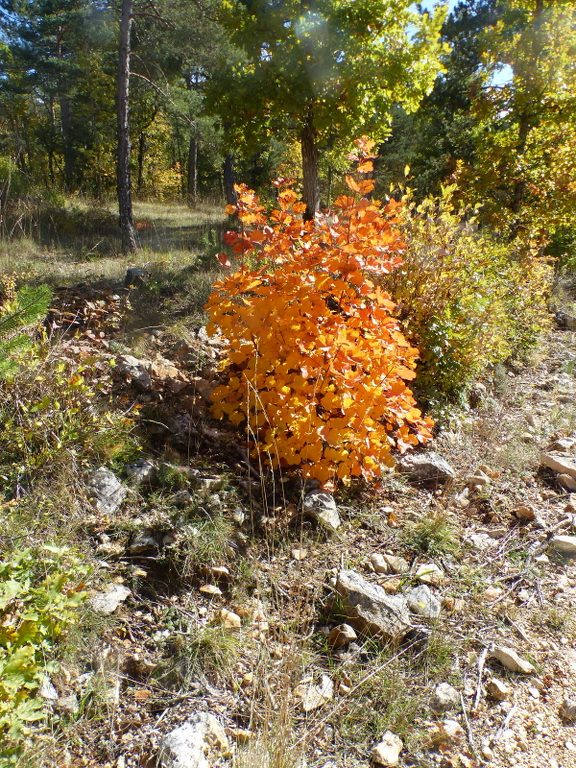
[[316, 365]]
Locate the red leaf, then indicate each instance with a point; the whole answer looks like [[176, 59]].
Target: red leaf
[[223, 260]]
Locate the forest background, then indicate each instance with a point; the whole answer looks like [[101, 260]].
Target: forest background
[[471, 106]]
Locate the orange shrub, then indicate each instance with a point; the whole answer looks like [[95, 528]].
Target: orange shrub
[[316, 365]]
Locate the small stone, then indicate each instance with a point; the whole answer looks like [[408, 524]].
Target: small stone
[[453, 605], [379, 563], [340, 636], [562, 444], [141, 471], [497, 689], [534, 692], [447, 732], [210, 589], [430, 573], [462, 499], [426, 468], [387, 751], [567, 482], [315, 696], [47, 690], [478, 480], [559, 463], [524, 513], [564, 545], [299, 554], [189, 745], [397, 564], [106, 490], [68, 704], [111, 549], [392, 586], [134, 371], [446, 698], [512, 661], [486, 752], [568, 710], [481, 541], [229, 619], [368, 606], [220, 572], [143, 543], [107, 602], [322, 506], [181, 499], [423, 602], [492, 593]]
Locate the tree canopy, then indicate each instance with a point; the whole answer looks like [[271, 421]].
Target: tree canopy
[[323, 72]]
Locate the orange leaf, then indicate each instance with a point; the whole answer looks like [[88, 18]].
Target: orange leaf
[[352, 184], [365, 167]]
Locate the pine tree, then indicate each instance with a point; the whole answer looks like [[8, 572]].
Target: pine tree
[[17, 317]]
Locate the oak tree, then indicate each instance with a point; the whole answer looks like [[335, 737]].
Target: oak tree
[[323, 72]]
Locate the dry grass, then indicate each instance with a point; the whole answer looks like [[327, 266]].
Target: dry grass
[[171, 236]]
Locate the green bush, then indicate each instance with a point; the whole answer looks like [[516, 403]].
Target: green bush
[[11, 179], [57, 410], [40, 594], [467, 300]]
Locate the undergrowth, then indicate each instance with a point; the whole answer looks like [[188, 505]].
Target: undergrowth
[[467, 299], [40, 594]]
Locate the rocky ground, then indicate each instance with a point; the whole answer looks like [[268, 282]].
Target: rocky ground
[[242, 620]]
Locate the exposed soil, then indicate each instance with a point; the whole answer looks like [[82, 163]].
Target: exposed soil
[[166, 654]]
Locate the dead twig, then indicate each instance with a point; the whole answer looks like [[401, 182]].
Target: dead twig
[[503, 726], [469, 732], [481, 662]]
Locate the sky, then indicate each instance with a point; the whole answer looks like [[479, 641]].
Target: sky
[[432, 3], [500, 78]]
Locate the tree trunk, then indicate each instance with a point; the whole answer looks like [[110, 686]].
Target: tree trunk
[[65, 119], [192, 176], [311, 192], [519, 189], [229, 191], [141, 156], [123, 110], [68, 149]]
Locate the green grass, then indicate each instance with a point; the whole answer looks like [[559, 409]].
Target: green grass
[[199, 652], [207, 542], [391, 691], [432, 535]]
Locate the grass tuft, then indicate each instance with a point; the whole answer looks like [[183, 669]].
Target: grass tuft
[[432, 535]]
